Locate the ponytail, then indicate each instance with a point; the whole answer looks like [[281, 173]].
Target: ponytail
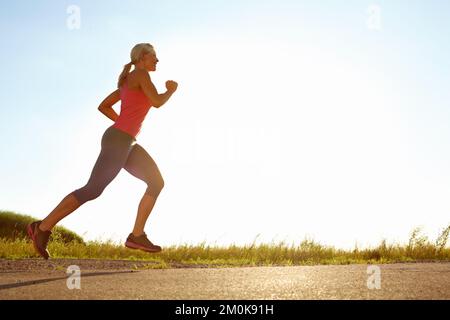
[[136, 54], [124, 74]]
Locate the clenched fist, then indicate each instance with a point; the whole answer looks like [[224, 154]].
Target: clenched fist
[[171, 85]]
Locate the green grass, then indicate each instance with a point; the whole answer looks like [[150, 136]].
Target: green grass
[[13, 226], [308, 252]]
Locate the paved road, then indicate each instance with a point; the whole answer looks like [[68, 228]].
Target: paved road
[[38, 279]]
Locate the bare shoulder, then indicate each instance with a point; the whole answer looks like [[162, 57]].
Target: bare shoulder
[[136, 77], [141, 74]]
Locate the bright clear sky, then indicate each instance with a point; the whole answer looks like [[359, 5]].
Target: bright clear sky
[[292, 119]]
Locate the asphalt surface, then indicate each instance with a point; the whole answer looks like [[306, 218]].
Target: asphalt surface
[[39, 279]]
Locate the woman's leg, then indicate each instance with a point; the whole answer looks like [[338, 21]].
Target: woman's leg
[[113, 156], [141, 165], [67, 205]]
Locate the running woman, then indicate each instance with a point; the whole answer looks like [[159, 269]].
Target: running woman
[[119, 149]]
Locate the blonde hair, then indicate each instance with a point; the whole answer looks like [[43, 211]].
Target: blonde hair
[[136, 54]]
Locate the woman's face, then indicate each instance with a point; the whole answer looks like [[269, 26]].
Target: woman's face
[[149, 61]]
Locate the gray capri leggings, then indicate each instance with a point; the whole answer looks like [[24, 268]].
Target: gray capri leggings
[[120, 150]]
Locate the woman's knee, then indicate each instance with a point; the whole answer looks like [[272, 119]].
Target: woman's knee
[[87, 193], [95, 194], [154, 187]]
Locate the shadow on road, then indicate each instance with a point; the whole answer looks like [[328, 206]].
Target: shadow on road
[[32, 282]]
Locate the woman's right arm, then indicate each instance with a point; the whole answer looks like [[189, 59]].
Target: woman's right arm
[[150, 91], [106, 106]]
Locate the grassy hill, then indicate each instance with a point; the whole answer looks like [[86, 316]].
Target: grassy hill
[[13, 227], [14, 244]]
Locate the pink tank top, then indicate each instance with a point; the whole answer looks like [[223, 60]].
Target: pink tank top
[[133, 109]]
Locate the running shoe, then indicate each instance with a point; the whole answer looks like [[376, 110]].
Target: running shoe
[[40, 238], [142, 243]]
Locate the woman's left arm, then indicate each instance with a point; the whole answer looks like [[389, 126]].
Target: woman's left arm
[[106, 106]]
